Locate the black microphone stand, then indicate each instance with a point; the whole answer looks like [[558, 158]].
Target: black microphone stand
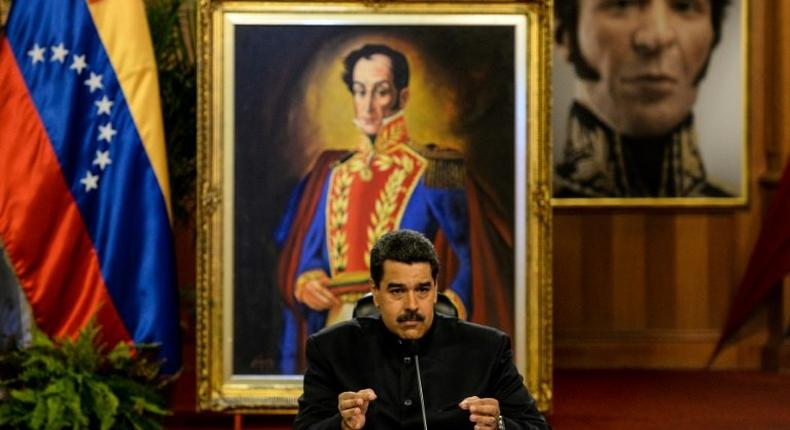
[[415, 349]]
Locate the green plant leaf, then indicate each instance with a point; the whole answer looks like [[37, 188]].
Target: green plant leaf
[[105, 403], [55, 413], [40, 339], [83, 353], [145, 405], [25, 395], [39, 415], [120, 354]]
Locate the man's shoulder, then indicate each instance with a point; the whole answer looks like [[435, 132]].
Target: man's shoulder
[[327, 160], [351, 328], [330, 156], [470, 330], [433, 151], [445, 165], [482, 330]]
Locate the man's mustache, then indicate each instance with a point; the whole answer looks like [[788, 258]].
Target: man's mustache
[[411, 315]]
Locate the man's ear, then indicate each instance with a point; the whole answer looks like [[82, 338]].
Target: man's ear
[[374, 291]]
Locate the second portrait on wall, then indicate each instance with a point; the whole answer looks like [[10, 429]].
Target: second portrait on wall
[[649, 102]]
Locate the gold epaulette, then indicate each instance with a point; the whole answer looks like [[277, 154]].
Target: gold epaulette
[[445, 166]]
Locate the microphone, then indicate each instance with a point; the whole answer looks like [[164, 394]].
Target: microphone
[[414, 349]]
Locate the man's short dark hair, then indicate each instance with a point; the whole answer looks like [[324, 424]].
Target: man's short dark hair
[[400, 67], [566, 19], [405, 246]]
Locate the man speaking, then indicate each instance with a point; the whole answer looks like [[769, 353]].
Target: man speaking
[[411, 368]]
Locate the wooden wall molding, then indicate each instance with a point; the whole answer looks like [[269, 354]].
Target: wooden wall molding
[[676, 349]]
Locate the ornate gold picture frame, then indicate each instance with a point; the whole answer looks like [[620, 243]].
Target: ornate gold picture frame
[[271, 101], [619, 99]]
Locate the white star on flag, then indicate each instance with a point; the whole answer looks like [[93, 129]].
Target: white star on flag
[[102, 159], [104, 105], [59, 53], [90, 181], [94, 82], [79, 63], [106, 132], [36, 54]]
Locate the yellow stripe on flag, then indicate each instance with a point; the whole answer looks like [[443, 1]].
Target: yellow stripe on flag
[[123, 29]]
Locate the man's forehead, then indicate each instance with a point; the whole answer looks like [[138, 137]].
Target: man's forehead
[[378, 66], [408, 281], [393, 263], [394, 271]]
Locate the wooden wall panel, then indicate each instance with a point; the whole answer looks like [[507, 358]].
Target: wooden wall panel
[[628, 278], [659, 307], [569, 273], [597, 268], [691, 274], [651, 287], [720, 266]]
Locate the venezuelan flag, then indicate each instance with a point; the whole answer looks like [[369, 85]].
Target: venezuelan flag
[[84, 212]]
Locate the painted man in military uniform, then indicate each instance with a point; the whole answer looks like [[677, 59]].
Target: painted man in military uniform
[[350, 199]]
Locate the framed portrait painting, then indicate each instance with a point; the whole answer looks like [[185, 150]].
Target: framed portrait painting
[[459, 151], [650, 106]]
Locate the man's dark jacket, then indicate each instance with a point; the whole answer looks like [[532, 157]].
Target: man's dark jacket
[[457, 359]]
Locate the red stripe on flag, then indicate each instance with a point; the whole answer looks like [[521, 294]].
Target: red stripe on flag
[[44, 234]]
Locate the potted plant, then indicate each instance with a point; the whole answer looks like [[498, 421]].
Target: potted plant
[[80, 384]]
